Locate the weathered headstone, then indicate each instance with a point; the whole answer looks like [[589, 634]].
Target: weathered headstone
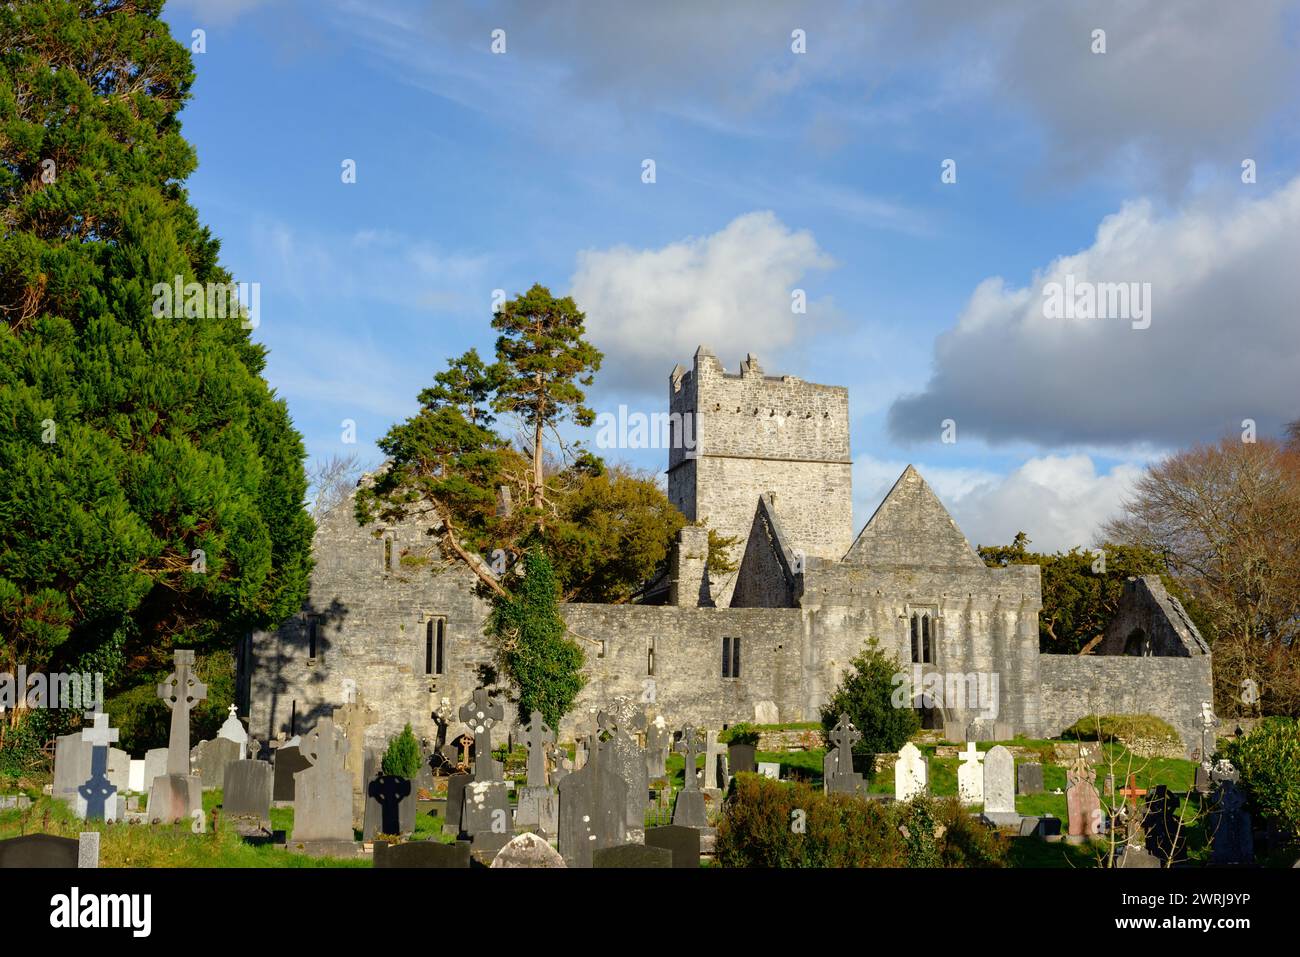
[[770, 769], [233, 730], [210, 758], [766, 712], [537, 736], [88, 849], [155, 765], [455, 801], [481, 713], [715, 772], [622, 755], [632, 855], [135, 781], [353, 719], [1166, 835], [485, 818], [690, 811], [658, 739], [288, 762], [1084, 816], [1000, 786], [683, 842], [178, 794], [970, 775], [538, 810], [39, 850], [838, 776], [593, 811], [528, 850], [246, 791], [911, 774], [423, 854], [1232, 839], [742, 758], [322, 804], [1029, 779], [71, 765]]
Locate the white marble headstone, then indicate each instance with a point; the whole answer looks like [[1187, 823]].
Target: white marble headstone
[[911, 774], [999, 781], [970, 775]]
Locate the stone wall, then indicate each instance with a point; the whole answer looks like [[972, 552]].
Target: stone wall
[[1075, 686]]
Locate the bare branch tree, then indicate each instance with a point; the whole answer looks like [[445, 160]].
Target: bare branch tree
[[330, 481]]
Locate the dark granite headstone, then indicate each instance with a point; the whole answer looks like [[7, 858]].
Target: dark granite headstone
[[1232, 838], [455, 797], [632, 855], [1049, 827], [838, 776], [683, 842], [246, 790], [1165, 838], [741, 757], [689, 810], [38, 850], [1029, 779], [288, 762], [485, 817], [422, 854], [593, 812]]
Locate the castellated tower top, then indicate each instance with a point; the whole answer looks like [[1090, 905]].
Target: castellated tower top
[[744, 434]]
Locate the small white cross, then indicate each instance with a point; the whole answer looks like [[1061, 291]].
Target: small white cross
[[971, 754], [101, 734]]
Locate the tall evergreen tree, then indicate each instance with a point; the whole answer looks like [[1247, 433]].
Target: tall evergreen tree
[[151, 484], [544, 360]]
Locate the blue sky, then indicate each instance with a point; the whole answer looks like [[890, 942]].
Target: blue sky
[[777, 170]]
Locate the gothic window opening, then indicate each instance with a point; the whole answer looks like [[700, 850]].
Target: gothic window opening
[[312, 637], [922, 638], [434, 632], [650, 659], [731, 657]]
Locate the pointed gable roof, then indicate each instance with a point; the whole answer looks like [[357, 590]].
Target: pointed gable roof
[[911, 527]]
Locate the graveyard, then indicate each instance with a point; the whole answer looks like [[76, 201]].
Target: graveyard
[[620, 796]]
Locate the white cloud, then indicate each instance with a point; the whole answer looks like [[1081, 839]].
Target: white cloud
[[1223, 343], [1059, 501], [648, 309]]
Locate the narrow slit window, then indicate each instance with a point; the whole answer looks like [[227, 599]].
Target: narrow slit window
[[726, 657], [735, 657], [650, 659], [441, 633], [429, 642], [311, 638]]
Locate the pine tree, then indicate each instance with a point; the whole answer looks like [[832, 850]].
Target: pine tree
[[151, 484], [543, 360]]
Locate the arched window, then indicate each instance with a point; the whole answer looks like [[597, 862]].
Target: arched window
[[922, 638]]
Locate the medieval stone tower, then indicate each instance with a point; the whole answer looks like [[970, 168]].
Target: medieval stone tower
[[737, 436]]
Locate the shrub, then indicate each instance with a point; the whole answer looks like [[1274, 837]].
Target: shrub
[[742, 733], [866, 695], [1269, 762], [761, 821], [403, 759], [1143, 734]]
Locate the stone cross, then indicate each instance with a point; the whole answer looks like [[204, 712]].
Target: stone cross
[[324, 748], [537, 736], [689, 746], [181, 691], [1208, 723], [971, 753], [844, 736], [100, 735], [354, 717], [481, 713]]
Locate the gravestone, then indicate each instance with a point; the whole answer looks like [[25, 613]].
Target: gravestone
[[838, 776], [561, 764], [135, 781], [1029, 779], [322, 804], [390, 802], [690, 811], [741, 758], [683, 842], [353, 719], [155, 765], [485, 818], [538, 805], [481, 713], [770, 769], [911, 775], [422, 854], [632, 855], [622, 755], [209, 760], [1084, 817], [38, 850], [233, 730], [1000, 786], [98, 799], [766, 712], [288, 762], [658, 739], [88, 850], [1166, 838], [71, 765], [246, 791], [528, 850], [178, 794], [455, 800], [715, 769], [1232, 839], [970, 775], [593, 811]]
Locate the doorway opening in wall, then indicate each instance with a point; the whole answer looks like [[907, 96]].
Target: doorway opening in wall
[[931, 718], [1136, 645]]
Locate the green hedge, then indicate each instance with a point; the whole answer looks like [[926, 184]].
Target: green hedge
[[1269, 762], [1122, 729], [768, 823]]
